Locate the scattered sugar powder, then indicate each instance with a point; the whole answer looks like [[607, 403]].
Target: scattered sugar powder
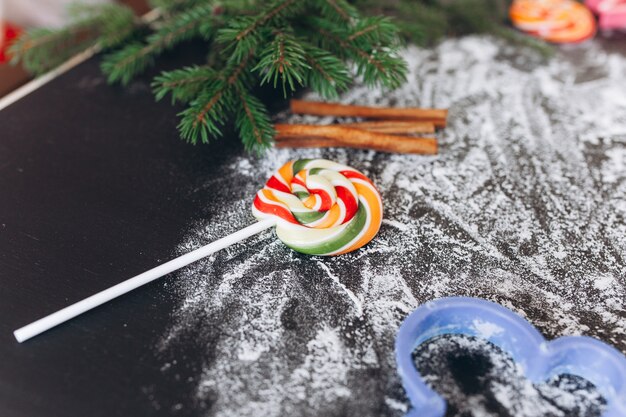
[[524, 205]]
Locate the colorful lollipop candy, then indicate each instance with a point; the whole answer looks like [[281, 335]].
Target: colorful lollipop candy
[[319, 207]]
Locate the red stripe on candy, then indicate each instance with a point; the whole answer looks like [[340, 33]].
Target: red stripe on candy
[[276, 184], [354, 174], [297, 180], [327, 202], [274, 209], [351, 204]]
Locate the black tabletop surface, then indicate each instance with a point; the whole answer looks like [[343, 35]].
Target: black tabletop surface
[[96, 186], [95, 189]]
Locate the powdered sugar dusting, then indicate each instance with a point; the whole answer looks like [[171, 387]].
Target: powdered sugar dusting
[[524, 205]]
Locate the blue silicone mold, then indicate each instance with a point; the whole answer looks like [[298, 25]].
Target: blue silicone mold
[[540, 359]]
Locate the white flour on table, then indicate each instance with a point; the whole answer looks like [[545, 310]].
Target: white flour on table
[[524, 205]]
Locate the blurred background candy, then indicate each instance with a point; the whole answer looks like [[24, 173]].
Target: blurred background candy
[[558, 21]]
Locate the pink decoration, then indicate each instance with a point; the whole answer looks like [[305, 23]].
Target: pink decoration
[[612, 13]]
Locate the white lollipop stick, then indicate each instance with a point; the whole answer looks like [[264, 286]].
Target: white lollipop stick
[[102, 297]]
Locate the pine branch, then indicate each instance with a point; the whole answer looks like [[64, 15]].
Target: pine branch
[[124, 64], [378, 66], [133, 59], [40, 50], [113, 23], [244, 33], [278, 8], [518, 38], [328, 75], [205, 115], [375, 30], [250, 43], [168, 6], [253, 122], [183, 84], [338, 10], [381, 67], [283, 59], [426, 22], [421, 23]]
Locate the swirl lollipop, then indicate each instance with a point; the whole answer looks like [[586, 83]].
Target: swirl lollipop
[[319, 207]]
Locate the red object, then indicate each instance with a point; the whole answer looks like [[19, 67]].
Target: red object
[[10, 32]]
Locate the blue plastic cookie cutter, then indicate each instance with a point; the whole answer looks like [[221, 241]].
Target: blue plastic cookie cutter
[[599, 363]]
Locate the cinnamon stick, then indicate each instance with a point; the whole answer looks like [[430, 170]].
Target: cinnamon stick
[[308, 142], [333, 135], [394, 126], [318, 108]]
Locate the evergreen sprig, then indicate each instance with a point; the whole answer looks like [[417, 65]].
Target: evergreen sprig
[[338, 10], [426, 22], [205, 116], [252, 120], [124, 64], [329, 75], [42, 49], [283, 60], [249, 42], [183, 84], [319, 44]]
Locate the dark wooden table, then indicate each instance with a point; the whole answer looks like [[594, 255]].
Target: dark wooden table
[[95, 187]]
